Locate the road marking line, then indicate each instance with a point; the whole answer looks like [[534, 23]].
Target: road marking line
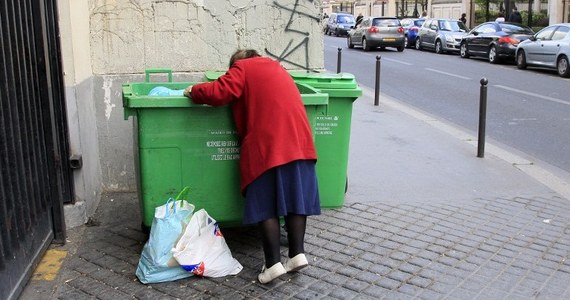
[[397, 61], [448, 74], [533, 94], [49, 265]]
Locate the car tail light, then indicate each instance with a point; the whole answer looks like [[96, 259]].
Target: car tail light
[[414, 29], [508, 40], [401, 29], [373, 29]]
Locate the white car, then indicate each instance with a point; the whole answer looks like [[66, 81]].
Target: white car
[[548, 48]]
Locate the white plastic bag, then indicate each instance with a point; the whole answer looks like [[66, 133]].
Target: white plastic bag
[[202, 249], [156, 263]]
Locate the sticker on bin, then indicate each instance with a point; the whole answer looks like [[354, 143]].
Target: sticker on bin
[[326, 125], [224, 150]]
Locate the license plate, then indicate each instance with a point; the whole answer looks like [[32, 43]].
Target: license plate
[[389, 40]]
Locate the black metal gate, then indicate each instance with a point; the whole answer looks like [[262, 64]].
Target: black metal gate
[[35, 178]]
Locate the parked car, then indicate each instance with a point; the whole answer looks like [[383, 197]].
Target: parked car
[[548, 48], [375, 32], [339, 23], [494, 40], [441, 35], [411, 29]]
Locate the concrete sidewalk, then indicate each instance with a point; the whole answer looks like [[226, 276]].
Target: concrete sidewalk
[[424, 218]]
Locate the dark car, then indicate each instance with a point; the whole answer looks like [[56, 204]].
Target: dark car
[[494, 40], [375, 32], [339, 23], [411, 29]]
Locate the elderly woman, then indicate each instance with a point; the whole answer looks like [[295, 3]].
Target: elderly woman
[[277, 154]]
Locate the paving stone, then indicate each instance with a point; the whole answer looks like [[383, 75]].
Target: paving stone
[[371, 257], [300, 279], [388, 283], [376, 291], [409, 268], [367, 276], [347, 271], [75, 294], [420, 281], [337, 279], [442, 287], [307, 295], [429, 295], [340, 258], [464, 294], [380, 269], [409, 289], [322, 287], [343, 293], [356, 284]]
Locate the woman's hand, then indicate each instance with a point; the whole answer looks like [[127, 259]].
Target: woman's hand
[[188, 92]]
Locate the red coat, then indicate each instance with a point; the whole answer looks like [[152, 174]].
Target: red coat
[[268, 112]]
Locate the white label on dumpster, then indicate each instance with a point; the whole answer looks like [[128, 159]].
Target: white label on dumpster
[[222, 132], [326, 124], [224, 150]]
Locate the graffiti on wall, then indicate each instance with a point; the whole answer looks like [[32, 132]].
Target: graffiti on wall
[[300, 41]]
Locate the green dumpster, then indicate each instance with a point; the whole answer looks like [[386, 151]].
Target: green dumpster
[[332, 131], [178, 144]]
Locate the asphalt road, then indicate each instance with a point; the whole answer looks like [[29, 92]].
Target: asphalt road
[[527, 110]]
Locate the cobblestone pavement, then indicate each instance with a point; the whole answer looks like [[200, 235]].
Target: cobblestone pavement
[[482, 249]]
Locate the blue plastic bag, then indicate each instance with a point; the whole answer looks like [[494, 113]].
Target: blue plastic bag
[[156, 263], [164, 91]]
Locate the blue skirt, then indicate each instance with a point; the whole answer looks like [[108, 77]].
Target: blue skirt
[[287, 189]]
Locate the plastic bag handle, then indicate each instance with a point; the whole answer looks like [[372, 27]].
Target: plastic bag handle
[[149, 71], [170, 200]]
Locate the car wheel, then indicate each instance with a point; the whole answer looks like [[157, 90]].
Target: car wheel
[[401, 48], [463, 51], [521, 60], [493, 58], [349, 42], [418, 44], [365, 45], [336, 32], [562, 66], [406, 43], [438, 48]]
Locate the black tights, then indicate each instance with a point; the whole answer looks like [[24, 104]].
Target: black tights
[[271, 236]]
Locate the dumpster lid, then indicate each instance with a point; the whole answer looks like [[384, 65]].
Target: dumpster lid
[[316, 80], [135, 95], [326, 80]]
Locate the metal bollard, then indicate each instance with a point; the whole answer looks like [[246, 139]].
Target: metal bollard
[[377, 85], [482, 117], [338, 60]]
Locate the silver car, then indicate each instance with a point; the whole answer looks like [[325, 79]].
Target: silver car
[[374, 32], [441, 35], [548, 48]]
